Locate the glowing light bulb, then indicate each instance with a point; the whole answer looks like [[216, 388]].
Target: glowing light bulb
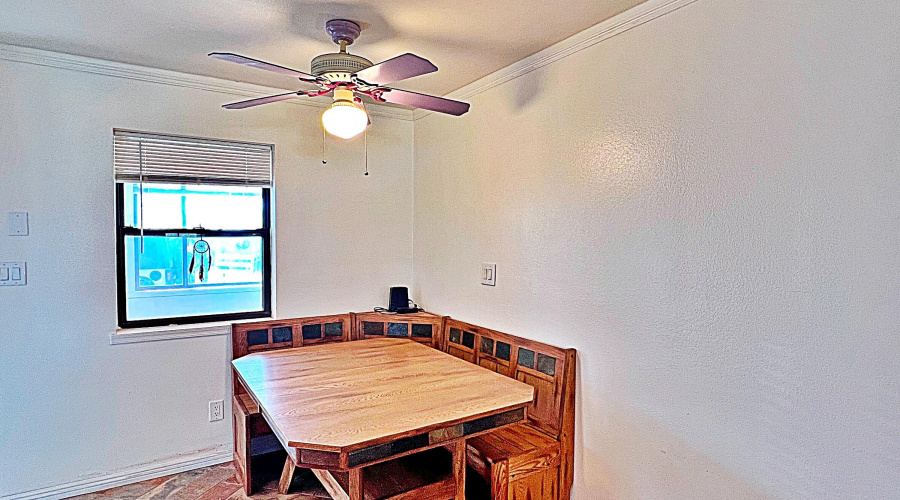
[[344, 118]]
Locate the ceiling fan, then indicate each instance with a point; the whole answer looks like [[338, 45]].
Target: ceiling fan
[[347, 77]]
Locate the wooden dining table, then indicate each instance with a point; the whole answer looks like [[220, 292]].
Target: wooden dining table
[[352, 411]]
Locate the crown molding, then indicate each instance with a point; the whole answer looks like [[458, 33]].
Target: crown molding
[[126, 71], [620, 23]]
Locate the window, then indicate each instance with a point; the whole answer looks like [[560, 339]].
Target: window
[[193, 230]]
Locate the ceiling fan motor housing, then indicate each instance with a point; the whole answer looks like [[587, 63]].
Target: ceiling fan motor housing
[[338, 67]]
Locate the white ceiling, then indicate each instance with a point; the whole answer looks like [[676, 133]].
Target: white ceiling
[[466, 40]]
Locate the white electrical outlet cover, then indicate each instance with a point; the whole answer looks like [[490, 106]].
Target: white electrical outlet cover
[[216, 410]]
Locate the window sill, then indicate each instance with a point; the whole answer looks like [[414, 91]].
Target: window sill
[[173, 332]]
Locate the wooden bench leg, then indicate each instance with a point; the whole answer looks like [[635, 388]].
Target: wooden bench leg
[[241, 436], [287, 475], [459, 467], [500, 480]]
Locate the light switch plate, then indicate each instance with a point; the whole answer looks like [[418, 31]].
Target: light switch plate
[[489, 274], [12, 274], [17, 224]]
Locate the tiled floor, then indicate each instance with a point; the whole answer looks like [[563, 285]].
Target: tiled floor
[[219, 482]]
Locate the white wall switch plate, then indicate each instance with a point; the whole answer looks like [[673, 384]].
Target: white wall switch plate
[[489, 274], [12, 274], [216, 410], [17, 224]]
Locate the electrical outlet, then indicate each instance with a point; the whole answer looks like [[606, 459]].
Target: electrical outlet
[[216, 410]]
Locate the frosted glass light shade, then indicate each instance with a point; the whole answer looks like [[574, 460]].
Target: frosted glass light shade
[[344, 119]]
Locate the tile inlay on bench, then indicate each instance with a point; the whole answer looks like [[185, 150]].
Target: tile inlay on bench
[[421, 327]]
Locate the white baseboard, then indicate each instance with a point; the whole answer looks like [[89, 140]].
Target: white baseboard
[[165, 467]]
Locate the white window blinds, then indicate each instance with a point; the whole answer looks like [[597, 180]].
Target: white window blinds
[[146, 157]]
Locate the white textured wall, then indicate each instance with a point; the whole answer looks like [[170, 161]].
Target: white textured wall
[[707, 208], [713, 223], [71, 404]]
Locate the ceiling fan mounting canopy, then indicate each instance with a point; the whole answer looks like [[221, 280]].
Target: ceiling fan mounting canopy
[[342, 30]]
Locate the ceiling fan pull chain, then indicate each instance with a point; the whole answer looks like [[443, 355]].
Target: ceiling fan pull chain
[[323, 147], [366, 136]]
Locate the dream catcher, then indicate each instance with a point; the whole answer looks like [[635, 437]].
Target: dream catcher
[[201, 256]]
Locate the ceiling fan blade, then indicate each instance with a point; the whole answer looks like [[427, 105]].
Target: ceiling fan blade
[[423, 101], [255, 63], [261, 100], [396, 69]]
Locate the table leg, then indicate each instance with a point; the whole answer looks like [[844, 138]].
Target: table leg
[[331, 485], [356, 484], [458, 447], [287, 475]]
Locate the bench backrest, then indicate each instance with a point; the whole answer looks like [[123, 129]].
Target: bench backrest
[[422, 327], [259, 336], [549, 369]]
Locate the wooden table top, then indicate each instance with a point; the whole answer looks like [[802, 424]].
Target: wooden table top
[[343, 396]]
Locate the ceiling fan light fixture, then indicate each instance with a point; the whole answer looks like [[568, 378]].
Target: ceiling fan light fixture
[[344, 118], [351, 77]]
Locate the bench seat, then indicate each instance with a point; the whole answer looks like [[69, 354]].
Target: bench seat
[[519, 448], [251, 407]]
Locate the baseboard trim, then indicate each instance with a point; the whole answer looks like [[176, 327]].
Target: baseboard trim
[[165, 467]]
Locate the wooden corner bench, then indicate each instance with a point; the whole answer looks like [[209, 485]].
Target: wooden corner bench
[[531, 460], [524, 461]]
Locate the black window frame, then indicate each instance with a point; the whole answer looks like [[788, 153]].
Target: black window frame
[[122, 231]]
